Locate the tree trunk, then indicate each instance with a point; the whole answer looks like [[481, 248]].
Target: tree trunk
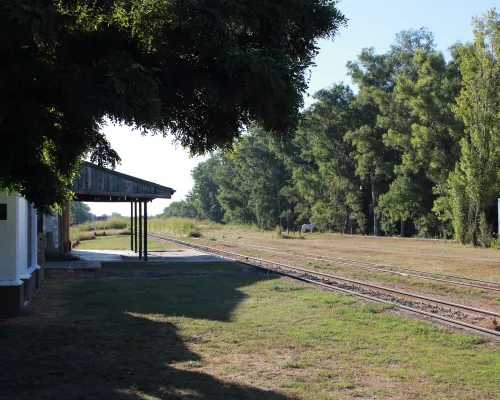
[[402, 228], [279, 207], [475, 230], [346, 221], [374, 203]]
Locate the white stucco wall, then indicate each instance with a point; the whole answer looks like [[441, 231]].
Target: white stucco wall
[[34, 240], [22, 236], [8, 236], [14, 263]]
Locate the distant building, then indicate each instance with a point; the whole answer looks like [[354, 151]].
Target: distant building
[[51, 225]]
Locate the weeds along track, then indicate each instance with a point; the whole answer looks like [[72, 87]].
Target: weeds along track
[[475, 319], [401, 271]]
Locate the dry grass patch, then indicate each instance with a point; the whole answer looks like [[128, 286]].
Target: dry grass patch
[[436, 256], [471, 296]]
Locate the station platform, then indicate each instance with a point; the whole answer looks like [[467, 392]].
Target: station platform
[[91, 263], [92, 259]]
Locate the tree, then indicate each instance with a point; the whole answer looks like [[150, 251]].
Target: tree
[[478, 105], [115, 214], [417, 148], [400, 203], [206, 190], [433, 142], [427, 139], [232, 195], [198, 70], [180, 209], [251, 179], [374, 161], [79, 212], [338, 196]]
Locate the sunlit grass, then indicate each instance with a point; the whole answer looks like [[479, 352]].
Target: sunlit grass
[[191, 227], [85, 231]]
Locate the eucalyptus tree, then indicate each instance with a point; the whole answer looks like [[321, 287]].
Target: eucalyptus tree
[[373, 74], [206, 189], [262, 176], [476, 179], [398, 118], [323, 187], [232, 194]]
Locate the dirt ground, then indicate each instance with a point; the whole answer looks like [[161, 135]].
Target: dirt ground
[[430, 255]]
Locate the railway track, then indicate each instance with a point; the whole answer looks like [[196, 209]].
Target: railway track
[[472, 318], [401, 271]]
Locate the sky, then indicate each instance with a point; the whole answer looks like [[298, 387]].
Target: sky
[[372, 23]]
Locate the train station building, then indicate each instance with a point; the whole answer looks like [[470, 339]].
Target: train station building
[[24, 233]]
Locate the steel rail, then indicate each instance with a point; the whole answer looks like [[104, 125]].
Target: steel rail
[[375, 267], [340, 278], [212, 250]]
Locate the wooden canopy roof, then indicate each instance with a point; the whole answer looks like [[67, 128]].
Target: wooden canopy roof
[[100, 184]]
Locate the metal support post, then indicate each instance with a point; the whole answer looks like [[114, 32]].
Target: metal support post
[[146, 231], [135, 225], [131, 226], [140, 230]]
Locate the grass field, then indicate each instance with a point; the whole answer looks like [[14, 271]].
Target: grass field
[[114, 226], [437, 256], [432, 255], [235, 337]]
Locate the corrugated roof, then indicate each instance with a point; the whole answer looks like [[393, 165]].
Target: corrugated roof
[[97, 183]]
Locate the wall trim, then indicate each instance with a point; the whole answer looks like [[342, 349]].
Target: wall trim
[[29, 272], [17, 282]]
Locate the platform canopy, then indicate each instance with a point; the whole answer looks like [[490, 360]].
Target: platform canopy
[[100, 184]]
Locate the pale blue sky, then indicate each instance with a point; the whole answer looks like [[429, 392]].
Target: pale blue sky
[[372, 23]]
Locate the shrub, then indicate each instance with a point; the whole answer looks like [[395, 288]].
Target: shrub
[[173, 225], [495, 244], [116, 223], [277, 234], [194, 233], [485, 237]]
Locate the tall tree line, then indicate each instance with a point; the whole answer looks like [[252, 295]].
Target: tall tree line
[[414, 149]]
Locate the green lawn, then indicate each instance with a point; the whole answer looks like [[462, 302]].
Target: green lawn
[[232, 337], [118, 242]]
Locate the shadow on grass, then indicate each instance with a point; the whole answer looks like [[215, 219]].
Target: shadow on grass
[[112, 339]]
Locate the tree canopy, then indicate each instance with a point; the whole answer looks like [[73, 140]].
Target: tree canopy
[[199, 70], [79, 212], [414, 151], [476, 179]]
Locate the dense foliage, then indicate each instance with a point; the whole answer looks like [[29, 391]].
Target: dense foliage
[[415, 151], [79, 213], [199, 70]]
